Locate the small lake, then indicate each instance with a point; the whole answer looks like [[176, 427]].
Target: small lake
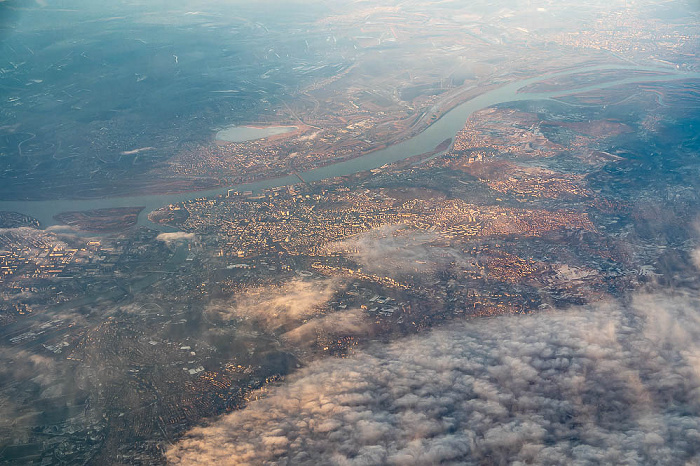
[[251, 133]]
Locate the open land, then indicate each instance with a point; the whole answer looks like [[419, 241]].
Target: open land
[[103, 220]]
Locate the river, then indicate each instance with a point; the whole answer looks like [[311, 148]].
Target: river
[[446, 127]]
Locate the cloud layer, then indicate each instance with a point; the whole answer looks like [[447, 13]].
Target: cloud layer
[[352, 322], [397, 250], [273, 307], [175, 237], [611, 384]]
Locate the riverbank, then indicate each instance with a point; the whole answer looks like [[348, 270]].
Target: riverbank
[[446, 127]]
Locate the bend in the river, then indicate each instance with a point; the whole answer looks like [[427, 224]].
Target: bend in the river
[[446, 127]]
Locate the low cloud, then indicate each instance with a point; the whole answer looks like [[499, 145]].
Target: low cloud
[[607, 384], [695, 253], [352, 322], [23, 372], [696, 257], [25, 367], [396, 250], [175, 237], [31, 383], [8, 413], [69, 233], [61, 229], [275, 306], [27, 236]]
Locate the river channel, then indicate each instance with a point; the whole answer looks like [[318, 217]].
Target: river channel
[[446, 127]]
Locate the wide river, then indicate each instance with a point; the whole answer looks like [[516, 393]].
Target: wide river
[[446, 127]]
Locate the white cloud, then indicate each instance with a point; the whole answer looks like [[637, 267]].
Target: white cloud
[[61, 229], [175, 237], [352, 322], [396, 250], [610, 384], [696, 257], [275, 306]]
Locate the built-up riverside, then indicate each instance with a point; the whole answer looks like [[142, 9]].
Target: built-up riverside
[[446, 127]]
